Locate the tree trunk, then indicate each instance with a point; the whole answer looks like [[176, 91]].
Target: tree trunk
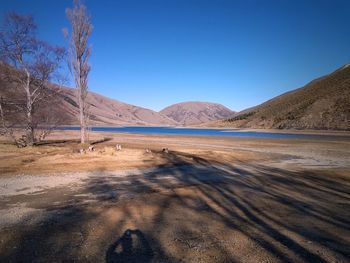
[[29, 115], [82, 122]]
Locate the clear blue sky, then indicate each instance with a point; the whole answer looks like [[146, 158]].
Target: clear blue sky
[[238, 53]]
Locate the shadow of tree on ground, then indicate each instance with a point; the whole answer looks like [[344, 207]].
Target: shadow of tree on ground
[[194, 209]]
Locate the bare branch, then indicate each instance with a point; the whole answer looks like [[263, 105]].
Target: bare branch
[[29, 64], [79, 54]]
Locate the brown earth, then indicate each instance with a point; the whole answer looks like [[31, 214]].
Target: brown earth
[[196, 112], [206, 200], [322, 104]]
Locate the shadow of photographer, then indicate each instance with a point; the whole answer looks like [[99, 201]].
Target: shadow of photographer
[[132, 246]]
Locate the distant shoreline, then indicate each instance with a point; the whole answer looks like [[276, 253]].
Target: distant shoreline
[[219, 133], [226, 129]]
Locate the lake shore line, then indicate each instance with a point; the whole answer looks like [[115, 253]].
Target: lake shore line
[[292, 131], [203, 132]]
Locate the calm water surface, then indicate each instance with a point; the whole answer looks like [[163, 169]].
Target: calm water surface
[[211, 132]]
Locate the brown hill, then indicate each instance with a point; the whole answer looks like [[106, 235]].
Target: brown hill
[[62, 104], [104, 110], [323, 104], [195, 112]]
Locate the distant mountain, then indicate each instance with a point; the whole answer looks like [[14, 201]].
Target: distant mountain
[[104, 110], [324, 103], [195, 112]]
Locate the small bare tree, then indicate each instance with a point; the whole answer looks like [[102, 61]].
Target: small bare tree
[[79, 57], [28, 65]]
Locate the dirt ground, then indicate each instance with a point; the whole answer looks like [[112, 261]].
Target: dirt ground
[[206, 200]]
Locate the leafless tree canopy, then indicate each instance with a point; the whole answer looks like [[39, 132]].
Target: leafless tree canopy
[[79, 57], [28, 65]]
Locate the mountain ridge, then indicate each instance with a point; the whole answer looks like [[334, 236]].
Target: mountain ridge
[[321, 104], [105, 110]]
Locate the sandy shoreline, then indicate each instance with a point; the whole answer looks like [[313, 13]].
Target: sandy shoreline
[[65, 157]]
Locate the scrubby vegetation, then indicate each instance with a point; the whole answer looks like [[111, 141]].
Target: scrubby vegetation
[[241, 116]]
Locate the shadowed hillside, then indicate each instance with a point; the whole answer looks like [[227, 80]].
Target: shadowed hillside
[[324, 103]]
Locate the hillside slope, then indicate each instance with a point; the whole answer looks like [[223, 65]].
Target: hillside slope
[[62, 104], [104, 110], [324, 103], [195, 112]]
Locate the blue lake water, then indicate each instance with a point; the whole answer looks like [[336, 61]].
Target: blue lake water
[[211, 132]]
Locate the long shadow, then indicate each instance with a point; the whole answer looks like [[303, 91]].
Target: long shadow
[[56, 142], [313, 192], [60, 142], [106, 139], [279, 210]]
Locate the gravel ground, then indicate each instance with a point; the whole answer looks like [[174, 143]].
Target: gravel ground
[[204, 201]]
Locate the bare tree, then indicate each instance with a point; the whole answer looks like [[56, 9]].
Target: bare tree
[[79, 57], [28, 65]]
